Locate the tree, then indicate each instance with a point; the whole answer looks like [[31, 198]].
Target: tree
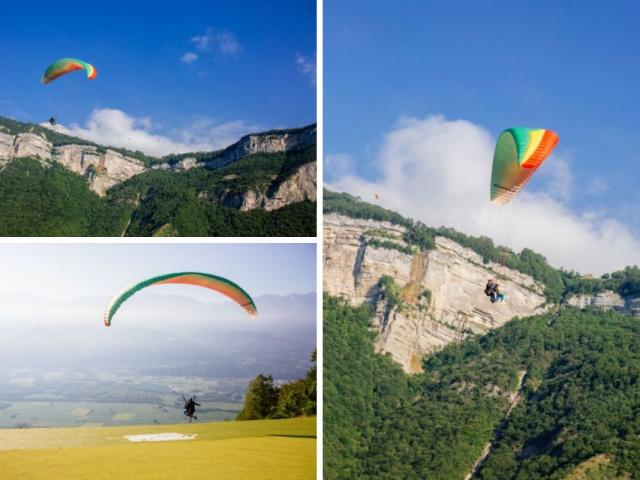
[[261, 399]]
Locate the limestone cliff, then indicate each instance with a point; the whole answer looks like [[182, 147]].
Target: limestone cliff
[[298, 187], [105, 167], [103, 170], [607, 300], [268, 142], [355, 261]]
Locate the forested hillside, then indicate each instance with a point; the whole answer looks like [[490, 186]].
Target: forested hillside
[[579, 411], [40, 200]]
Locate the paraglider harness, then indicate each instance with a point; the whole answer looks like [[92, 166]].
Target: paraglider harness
[[52, 121], [190, 408]]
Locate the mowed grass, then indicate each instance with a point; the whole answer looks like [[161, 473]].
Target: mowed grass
[[263, 449], [50, 414]]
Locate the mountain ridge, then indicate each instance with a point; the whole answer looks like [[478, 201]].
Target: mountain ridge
[[425, 286], [55, 185], [105, 166]]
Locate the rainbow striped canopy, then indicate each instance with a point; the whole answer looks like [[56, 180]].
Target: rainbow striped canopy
[[206, 280], [519, 153], [66, 65]]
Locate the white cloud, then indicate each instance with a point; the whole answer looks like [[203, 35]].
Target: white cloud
[[338, 165], [112, 127], [189, 58], [438, 171], [203, 42], [222, 40], [557, 178], [227, 43], [307, 66]]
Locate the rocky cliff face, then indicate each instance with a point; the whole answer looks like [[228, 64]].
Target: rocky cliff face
[[455, 277], [607, 300], [102, 169], [300, 186], [270, 142], [105, 167], [23, 145]]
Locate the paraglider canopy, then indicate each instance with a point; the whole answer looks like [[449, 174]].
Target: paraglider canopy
[[66, 65], [206, 280], [519, 153]]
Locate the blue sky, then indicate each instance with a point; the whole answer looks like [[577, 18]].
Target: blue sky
[[567, 66], [67, 271], [196, 73]]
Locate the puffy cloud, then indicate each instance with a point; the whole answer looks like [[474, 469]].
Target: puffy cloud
[[338, 165], [307, 66], [438, 171], [113, 127], [222, 40], [189, 58]]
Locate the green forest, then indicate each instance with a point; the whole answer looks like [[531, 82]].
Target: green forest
[[580, 401], [264, 399], [50, 200]]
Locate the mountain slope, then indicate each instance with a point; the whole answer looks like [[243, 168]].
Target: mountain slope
[[580, 399], [263, 185], [425, 285]]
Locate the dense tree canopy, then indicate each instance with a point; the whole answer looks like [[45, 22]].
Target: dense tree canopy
[[41, 200], [581, 398], [264, 399]]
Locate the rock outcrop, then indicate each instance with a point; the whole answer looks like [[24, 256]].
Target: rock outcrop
[[269, 142], [300, 186], [607, 300], [357, 255], [106, 167], [103, 170]]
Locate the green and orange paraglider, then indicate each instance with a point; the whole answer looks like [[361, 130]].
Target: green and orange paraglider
[[519, 153], [206, 280], [66, 65]]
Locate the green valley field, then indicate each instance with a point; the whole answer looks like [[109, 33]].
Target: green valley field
[[261, 449]]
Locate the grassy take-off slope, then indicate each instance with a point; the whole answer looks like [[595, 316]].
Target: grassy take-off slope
[[261, 449]]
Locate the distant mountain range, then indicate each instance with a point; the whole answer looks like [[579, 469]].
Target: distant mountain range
[[160, 335], [52, 184]]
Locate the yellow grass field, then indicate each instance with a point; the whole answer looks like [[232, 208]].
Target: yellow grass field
[[265, 449]]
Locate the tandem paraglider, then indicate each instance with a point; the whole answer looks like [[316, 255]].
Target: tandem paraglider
[[519, 153]]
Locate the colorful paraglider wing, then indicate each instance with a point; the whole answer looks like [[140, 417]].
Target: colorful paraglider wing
[[66, 65], [519, 153], [212, 282]]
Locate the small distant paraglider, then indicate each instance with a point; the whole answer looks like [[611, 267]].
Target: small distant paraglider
[[67, 65], [519, 153], [377, 197], [52, 121], [206, 280]]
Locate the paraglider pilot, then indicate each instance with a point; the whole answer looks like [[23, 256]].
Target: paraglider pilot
[[492, 290], [190, 409], [52, 121]]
